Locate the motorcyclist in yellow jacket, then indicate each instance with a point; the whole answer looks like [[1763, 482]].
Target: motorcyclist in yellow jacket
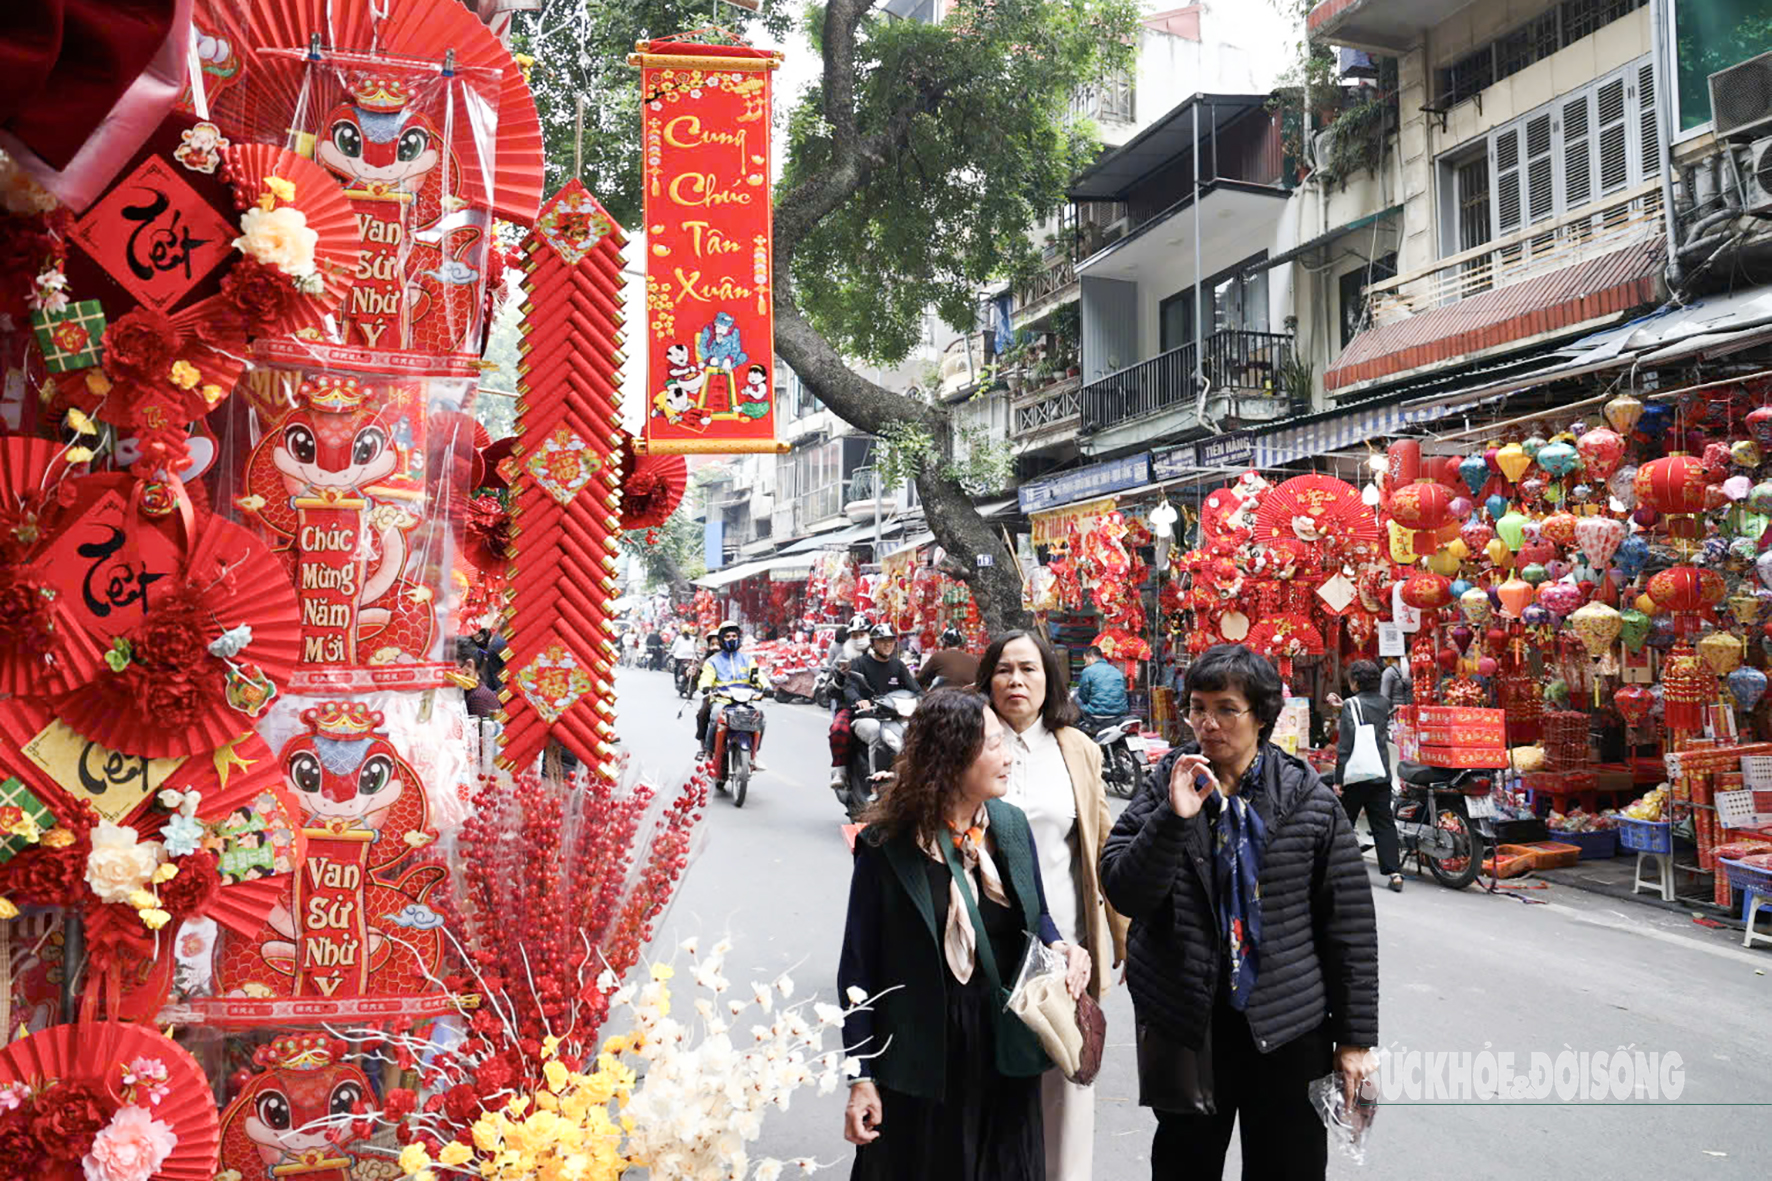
[[725, 669]]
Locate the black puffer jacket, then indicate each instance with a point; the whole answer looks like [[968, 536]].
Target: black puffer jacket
[[1319, 939]]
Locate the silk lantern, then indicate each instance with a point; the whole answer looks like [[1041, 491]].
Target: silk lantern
[[1516, 594], [1721, 651], [1623, 413], [1474, 472], [1473, 604], [1444, 562], [1747, 685], [1559, 459], [1599, 539], [1634, 628], [1533, 445], [1495, 506], [1512, 529], [1476, 535], [1559, 529], [1622, 485], [1559, 598], [1513, 462], [1500, 556], [1759, 424], [1686, 589], [1601, 451], [1633, 555], [1746, 453], [1634, 702], [1533, 573]]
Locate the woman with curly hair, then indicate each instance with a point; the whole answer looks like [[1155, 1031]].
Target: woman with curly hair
[[946, 883]]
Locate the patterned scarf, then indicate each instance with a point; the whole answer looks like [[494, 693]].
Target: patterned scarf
[[959, 941], [1239, 839]]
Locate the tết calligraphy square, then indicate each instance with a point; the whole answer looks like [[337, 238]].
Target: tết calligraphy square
[[155, 235]]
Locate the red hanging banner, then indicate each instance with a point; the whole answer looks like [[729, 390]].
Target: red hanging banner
[[710, 337]]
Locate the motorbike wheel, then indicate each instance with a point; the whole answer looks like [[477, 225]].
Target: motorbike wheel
[[740, 778], [821, 698], [1122, 777], [1460, 869]]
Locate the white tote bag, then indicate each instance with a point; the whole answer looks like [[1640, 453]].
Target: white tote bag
[[1366, 763]]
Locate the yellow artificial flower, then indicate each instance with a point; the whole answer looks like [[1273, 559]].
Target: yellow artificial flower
[[556, 1073], [488, 1132], [414, 1158], [212, 394], [547, 1101], [454, 1152], [154, 919], [284, 191], [58, 838], [97, 383], [616, 1044], [143, 899], [184, 375], [82, 425], [517, 1104], [663, 971], [165, 873], [79, 454], [7, 909], [550, 1046]]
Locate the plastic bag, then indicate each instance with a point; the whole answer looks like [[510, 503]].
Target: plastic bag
[[1039, 998], [1349, 1125]]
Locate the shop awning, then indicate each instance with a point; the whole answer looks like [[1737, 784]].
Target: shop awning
[[1322, 240], [843, 538], [764, 566]]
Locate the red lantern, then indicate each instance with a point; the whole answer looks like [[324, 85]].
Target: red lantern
[[1425, 591], [1759, 424], [1601, 452], [1559, 528], [1422, 506], [1405, 462], [1686, 589], [1634, 702], [1674, 484]]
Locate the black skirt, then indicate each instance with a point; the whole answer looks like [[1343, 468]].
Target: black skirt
[[988, 1128]]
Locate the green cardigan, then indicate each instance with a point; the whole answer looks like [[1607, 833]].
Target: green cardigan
[[890, 908]]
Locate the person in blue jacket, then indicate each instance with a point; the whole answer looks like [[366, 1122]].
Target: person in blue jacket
[[1101, 689]]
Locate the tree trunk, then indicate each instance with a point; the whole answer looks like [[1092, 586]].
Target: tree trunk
[[952, 517]]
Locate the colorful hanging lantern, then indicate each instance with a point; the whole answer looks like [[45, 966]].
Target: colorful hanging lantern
[[1422, 506], [1474, 605], [1623, 413], [1511, 528], [1597, 626], [1427, 591], [1634, 702], [1513, 461], [1559, 459], [1516, 595], [1601, 451], [1674, 484], [1759, 424], [1599, 539], [1686, 589], [1474, 472], [1747, 685], [1559, 598], [1559, 529], [1721, 651]]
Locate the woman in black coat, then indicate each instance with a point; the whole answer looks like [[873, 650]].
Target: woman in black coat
[[946, 887], [1253, 954]]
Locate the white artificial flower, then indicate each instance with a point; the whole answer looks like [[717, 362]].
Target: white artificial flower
[[119, 864], [280, 238], [785, 986], [855, 995], [769, 1170], [852, 1067], [827, 1014], [690, 944]]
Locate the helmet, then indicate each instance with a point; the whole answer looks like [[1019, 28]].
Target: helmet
[[951, 638], [731, 625], [858, 624], [882, 631], [713, 636]]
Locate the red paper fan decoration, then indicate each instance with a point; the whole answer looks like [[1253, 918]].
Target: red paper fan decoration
[[1285, 636], [1317, 508], [96, 1053], [240, 583], [651, 486], [328, 213], [271, 83], [44, 652]]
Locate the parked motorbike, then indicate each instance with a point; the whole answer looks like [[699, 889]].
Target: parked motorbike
[[1445, 817], [1123, 754], [879, 737], [737, 721]]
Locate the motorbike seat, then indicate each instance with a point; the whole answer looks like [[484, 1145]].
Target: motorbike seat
[[1421, 775]]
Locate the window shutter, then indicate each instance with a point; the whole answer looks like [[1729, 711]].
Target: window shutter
[[1577, 153], [1614, 152], [1541, 197], [1649, 124], [1507, 181]]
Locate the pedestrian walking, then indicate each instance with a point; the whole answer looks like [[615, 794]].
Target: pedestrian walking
[[1056, 781], [1253, 953], [1363, 765], [946, 884]]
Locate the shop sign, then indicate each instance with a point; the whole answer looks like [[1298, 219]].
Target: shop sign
[[1096, 480], [1225, 451], [1173, 463]]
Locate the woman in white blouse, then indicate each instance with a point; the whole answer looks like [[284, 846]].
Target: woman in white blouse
[[1056, 780]]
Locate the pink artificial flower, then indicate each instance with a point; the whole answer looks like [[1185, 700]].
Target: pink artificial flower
[[12, 1095], [132, 1147], [147, 1078]]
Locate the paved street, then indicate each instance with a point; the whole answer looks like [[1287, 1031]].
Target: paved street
[[1459, 972]]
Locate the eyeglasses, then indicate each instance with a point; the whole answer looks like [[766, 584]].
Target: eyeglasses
[[1223, 717]]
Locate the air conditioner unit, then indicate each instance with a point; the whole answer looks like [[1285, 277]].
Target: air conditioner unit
[[1758, 181], [1322, 146], [1741, 98], [1115, 230]]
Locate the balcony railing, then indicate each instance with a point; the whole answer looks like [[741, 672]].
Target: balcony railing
[[1580, 235], [1049, 410], [1046, 290], [1236, 361]]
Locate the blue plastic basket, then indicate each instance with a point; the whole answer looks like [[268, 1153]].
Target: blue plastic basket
[[1594, 845], [1747, 877], [1646, 836]]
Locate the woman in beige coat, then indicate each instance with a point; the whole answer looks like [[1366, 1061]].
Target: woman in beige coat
[[1056, 780]]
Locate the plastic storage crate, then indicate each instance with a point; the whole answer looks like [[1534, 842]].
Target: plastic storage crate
[[1646, 836], [1594, 844]]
